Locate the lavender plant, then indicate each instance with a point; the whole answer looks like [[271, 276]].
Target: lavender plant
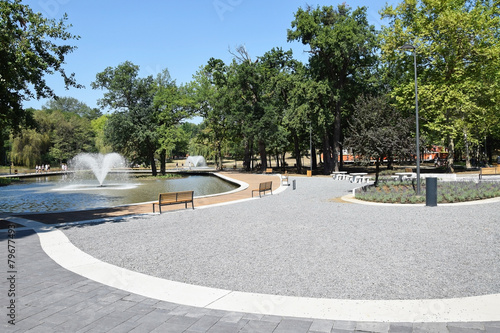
[[448, 192]]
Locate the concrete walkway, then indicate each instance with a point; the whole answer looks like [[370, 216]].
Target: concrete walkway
[[50, 298]]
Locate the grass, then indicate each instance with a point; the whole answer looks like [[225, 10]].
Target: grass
[[447, 192]]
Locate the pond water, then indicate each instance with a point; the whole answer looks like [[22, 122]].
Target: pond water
[[62, 193]]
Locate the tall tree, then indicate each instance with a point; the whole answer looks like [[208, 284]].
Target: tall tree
[[29, 49], [342, 46], [214, 105], [172, 104], [458, 54], [132, 126]]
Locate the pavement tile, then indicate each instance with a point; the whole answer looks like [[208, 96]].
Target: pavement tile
[[204, 323], [227, 327], [373, 327], [293, 326], [321, 326], [232, 317], [345, 325], [146, 328], [254, 326], [430, 328], [466, 325], [155, 316], [490, 329], [401, 328], [126, 326]]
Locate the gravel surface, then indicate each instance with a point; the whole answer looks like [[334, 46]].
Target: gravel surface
[[305, 242]]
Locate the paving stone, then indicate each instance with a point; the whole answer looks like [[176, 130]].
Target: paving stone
[[430, 328], [126, 326], [227, 327], [232, 317], [293, 326], [345, 325], [401, 328], [254, 326], [492, 329], [204, 323], [321, 326], [373, 327]]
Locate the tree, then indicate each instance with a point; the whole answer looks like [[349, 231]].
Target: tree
[[172, 104], [377, 130], [342, 51], [29, 51], [458, 52], [71, 104], [214, 105], [132, 127]]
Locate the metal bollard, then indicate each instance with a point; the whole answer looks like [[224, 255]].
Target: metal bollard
[[293, 182], [431, 192]]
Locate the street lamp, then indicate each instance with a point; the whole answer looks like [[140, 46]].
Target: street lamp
[[408, 47]]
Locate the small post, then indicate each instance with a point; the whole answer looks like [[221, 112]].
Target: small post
[[293, 182], [431, 192]]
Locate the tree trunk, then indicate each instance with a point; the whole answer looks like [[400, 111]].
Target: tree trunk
[[327, 166], [247, 159], [154, 172], [337, 128], [451, 153], [314, 157], [263, 155], [298, 161], [467, 152], [377, 169], [163, 158]]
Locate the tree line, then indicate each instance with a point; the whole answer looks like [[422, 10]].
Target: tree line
[[356, 91]]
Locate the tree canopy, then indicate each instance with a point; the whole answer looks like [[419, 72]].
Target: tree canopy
[[30, 50]]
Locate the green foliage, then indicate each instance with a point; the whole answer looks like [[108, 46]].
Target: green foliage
[[378, 130], [448, 192], [342, 57], [458, 55], [29, 50], [57, 137]]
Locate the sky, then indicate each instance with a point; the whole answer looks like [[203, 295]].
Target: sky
[[178, 35]]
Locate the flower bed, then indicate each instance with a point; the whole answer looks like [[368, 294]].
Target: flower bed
[[447, 192]]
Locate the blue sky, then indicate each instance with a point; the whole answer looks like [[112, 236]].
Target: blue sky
[[179, 35]]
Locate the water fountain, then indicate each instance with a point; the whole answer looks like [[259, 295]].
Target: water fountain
[[99, 164], [195, 162]]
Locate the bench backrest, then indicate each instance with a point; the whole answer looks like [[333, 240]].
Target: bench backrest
[[175, 196], [265, 186], [490, 171]]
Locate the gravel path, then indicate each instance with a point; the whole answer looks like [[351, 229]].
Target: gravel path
[[307, 243]]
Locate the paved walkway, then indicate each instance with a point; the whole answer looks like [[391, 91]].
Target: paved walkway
[[49, 298]]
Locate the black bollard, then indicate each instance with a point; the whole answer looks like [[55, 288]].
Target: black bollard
[[431, 192], [293, 182]]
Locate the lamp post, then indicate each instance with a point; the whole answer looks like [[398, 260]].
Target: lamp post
[[408, 47]]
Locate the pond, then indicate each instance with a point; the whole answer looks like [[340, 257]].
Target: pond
[[63, 193]]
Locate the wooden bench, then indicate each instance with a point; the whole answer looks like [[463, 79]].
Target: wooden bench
[[263, 187], [173, 198], [269, 170], [489, 171]]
